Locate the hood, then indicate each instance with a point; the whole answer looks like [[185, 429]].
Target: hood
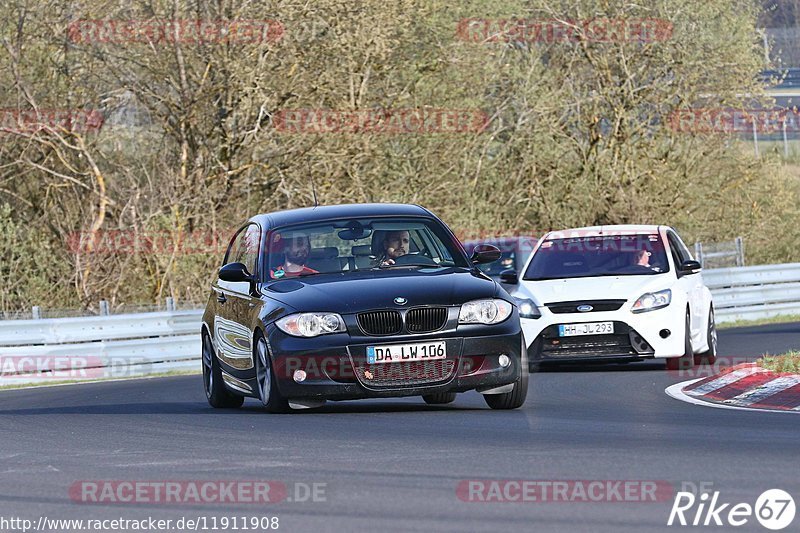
[[595, 288], [361, 291]]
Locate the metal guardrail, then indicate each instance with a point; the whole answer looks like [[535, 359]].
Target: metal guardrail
[[720, 254], [755, 292], [144, 343], [129, 345], [95, 328], [787, 77]]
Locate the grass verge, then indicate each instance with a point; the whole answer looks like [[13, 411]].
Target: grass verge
[[788, 362], [783, 319]]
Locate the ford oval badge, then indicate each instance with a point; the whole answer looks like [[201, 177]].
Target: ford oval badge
[[585, 308]]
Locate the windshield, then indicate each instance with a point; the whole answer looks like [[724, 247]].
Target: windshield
[[608, 255], [360, 244]]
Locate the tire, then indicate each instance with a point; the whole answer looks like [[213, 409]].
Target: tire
[[271, 399], [218, 396], [709, 357], [515, 398], [439, 398], [686, 361]]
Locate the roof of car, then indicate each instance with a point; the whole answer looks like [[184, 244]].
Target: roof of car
[[328, 212], [608, 230]]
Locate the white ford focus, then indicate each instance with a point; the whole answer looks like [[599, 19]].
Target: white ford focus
[[614, 294]]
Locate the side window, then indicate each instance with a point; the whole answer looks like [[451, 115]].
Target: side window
[[678, 250], [233, 247], [251, 240], [414, 241], [244, 248], [685, 253], [432, 247]]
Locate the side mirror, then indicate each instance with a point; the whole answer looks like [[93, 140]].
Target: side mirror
[[689, 267], [235, 272], [485, 253], [509, 276]]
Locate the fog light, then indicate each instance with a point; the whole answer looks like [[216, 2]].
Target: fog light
[[504, 360], [299, 376]]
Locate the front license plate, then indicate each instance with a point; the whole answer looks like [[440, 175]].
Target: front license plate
[[592, 328], [401, 353]]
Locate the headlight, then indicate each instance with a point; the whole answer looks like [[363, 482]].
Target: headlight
[[527, 309], [490, 311], [311, 324], [652, 301]]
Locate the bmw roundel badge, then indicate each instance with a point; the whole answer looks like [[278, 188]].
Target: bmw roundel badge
[[400, 300]]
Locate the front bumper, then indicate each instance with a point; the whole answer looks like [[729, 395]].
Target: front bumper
[[336, 367], [636, 336]]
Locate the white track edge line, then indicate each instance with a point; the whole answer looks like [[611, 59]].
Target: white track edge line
[[101, 380]]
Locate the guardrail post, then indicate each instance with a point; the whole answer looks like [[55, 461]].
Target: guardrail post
[[755, 139], [36, 312], [104, 308], [785, 140], [698, 253], [739, 251], [170, 303]]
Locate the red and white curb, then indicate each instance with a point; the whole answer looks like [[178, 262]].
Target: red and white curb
[[745, 387]]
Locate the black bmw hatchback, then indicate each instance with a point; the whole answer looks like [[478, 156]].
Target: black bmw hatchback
[[358, 301]]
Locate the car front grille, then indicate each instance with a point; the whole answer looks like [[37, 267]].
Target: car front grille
[[380, 322], [624, 342], [596, 305], [390, 322], [425, 319], [405, 374], [597, 345]]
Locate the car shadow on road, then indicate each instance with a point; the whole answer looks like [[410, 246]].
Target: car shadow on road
[[641, 366], [144, 408], [249, 408], [372, 407]]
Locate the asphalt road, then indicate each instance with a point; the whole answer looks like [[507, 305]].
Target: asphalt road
[[395, 465]]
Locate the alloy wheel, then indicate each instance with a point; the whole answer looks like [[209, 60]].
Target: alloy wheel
[[263, 373]]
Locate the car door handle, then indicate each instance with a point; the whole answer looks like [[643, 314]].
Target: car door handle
[[221, 298]]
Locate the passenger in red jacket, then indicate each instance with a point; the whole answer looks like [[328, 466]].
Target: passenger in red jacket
[[295, 253]]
